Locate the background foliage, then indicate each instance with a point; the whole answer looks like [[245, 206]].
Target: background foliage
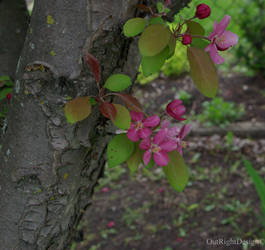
[[247, 22]]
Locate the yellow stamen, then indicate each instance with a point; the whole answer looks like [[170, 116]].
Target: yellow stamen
[[184, 144]]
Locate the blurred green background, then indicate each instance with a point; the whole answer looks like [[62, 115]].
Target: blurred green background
[[248, 22]]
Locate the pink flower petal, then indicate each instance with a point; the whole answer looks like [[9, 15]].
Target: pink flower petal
[[214, 54], [147, 157], [220, 28], [168, 146], [176, 109], [111, 224], [136, 116], [184, 131], [214, 32], [151, 121], [172, 132], [133, 134], [145, 143], [226, 40], [161, 158], [165, 124], [145, 132], [160, 136], [179, 149], [105, 189], [180, 110]]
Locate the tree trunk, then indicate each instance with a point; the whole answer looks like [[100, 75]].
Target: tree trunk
[[13, 27], [48, 167]]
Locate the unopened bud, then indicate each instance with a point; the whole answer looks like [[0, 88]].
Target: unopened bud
[[186, 39], [203, 11], [8, 96]]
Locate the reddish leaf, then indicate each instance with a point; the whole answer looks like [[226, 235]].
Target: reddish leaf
[[94, 66], [108, 110], [77, 109], [131, 102], [203, 71]]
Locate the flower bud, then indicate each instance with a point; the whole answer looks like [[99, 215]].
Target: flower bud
[[186, 39], [111, 224], [8, 96], [203, 11], [175, 109]]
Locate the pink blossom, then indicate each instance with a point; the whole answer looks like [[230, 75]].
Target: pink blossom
[[161, 190], [179, 239], [203, 11], [171, 131], [140, 129], [176, 110], [9, 96], [111, 224], [105, 189], [179, 139], [175, 134], [186, 39], [221, 39], [159, 146]]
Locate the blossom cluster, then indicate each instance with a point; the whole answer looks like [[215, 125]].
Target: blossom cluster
[[220, 38], [158, 137]]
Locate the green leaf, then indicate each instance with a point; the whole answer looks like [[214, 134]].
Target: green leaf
[[118, 82], [154, 20], [9, 83], [134, 26], [176, 171], [123, 118], [258, 182], [93, 101], [154, 39], [166, 10], [135, 159], [199, 43], [4, 78], [4, 92], [77, 109], [160, 7], [203, 71], [152, 64], [195, 28], [119, 150], [171, 46]]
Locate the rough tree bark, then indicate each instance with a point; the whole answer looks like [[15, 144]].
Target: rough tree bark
[[13, 27], [48, 167]]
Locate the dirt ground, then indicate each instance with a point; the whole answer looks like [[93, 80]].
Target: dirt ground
[[218, 209]]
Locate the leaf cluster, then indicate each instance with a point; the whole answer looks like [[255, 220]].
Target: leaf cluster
[[220, 113]]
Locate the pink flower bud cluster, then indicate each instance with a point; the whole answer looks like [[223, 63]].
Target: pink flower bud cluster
[[168, 138], [221, 39]]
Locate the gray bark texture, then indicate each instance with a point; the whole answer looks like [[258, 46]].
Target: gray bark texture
[[49, 168], [13, 27]]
